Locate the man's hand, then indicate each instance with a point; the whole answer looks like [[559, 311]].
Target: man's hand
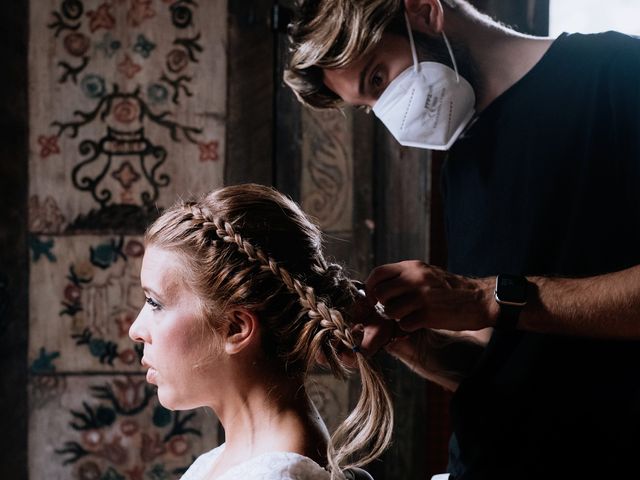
[[423, 296]]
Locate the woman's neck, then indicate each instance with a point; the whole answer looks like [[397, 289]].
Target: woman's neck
[[269, 416]]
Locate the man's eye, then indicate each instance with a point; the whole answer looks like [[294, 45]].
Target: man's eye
[[376, 80], [152, 303]]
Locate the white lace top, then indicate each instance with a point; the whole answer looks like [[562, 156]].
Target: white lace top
[[267, 466]]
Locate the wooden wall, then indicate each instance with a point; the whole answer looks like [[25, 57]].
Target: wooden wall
[[194, 90]]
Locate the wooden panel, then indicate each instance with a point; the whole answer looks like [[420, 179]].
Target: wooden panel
[[85, 295], [14, 267], [250, 100], [111, 427], [327, 175], [127, 109], [402, 233]]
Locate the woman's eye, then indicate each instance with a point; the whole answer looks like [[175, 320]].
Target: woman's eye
[[152, 303]]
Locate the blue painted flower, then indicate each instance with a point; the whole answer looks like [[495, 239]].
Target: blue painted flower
[[93, 86], [44, 362], [157, 93], [109, 45], [144, 46]]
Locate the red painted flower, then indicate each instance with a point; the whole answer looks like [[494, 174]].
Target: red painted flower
[[140, 11], [178, 445], [135, 473], [91, 439], [208, 151], [127, 356], [129, 427], [72, 293], [101, 18], [48, 145], [128, 68], [134, 248], [152, 447], [177, 60], [89, 471], [76, 44], [126, 111]]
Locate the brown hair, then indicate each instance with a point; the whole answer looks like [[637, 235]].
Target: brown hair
[[333, 34], [248, 245]]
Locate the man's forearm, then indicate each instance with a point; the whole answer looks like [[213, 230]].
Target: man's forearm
[[605, 306]]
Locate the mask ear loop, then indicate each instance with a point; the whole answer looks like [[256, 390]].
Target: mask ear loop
[[453, 59], [414, 54]]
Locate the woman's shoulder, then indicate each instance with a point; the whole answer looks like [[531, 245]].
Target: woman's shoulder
[[202, 464], [278, 466]]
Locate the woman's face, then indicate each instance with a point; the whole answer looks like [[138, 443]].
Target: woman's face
[[178, 346]]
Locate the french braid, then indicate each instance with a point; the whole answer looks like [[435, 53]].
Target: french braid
[[324, 320], [250, 246]]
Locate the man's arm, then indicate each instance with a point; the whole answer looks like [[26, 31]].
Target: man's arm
[[422, 296]]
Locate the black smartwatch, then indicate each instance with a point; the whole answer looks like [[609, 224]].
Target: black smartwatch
[[511, 295]]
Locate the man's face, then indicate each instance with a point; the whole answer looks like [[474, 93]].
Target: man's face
[[362, 82]]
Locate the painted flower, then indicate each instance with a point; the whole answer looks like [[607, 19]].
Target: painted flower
[[76, 44], [93, 86], [92, 439], [89, 471], [128, 356], [109, 45], [114, 452], [126, 111], [72, 293], [48, 145], [177, 60], [134, 249], [130, 393], [181, 16], [84, 270], [178, 445], [72, 9], [143, 46], [152, 447], [157, 93], [129, 428]]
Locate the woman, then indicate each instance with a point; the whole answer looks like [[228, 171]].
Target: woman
[[240, 306]]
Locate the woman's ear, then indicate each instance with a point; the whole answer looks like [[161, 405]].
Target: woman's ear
[[243, 330], [426, 16]]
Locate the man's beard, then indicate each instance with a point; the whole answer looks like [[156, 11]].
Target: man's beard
[[435, 50]]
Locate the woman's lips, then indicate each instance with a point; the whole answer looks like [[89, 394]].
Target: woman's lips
[[151, 375]]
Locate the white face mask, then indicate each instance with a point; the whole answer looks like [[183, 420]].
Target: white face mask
[[428, 105]]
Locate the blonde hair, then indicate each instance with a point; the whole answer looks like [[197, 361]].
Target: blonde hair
[[248, 245]]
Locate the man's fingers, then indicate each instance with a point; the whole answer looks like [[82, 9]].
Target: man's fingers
[[400, 307], [380, 274], [414, 321]]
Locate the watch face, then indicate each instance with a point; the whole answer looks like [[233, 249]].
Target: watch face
[[511, 289]]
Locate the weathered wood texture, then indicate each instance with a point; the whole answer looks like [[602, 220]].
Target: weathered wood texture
[[13, 243], [402, 189], [127, 110], [250, 126]]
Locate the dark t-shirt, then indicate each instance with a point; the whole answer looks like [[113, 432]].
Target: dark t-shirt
[[546, 181]]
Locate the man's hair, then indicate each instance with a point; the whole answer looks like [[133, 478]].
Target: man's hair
[[333, 34]]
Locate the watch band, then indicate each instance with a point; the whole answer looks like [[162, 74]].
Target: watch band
[[508, 317], [511, 295]]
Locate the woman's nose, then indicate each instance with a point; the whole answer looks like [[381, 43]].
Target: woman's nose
[[137, 332]]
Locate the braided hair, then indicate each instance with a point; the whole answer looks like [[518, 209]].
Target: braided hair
[[250, 246]]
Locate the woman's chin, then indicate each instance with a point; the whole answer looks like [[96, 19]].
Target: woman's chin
[[171, 401]]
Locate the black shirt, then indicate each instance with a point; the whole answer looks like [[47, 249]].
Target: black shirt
[[546, 181]]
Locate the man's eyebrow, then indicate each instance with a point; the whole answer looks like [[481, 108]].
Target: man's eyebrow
[[363, 75]]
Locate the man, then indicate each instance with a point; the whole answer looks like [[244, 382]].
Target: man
[[541, 183]]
